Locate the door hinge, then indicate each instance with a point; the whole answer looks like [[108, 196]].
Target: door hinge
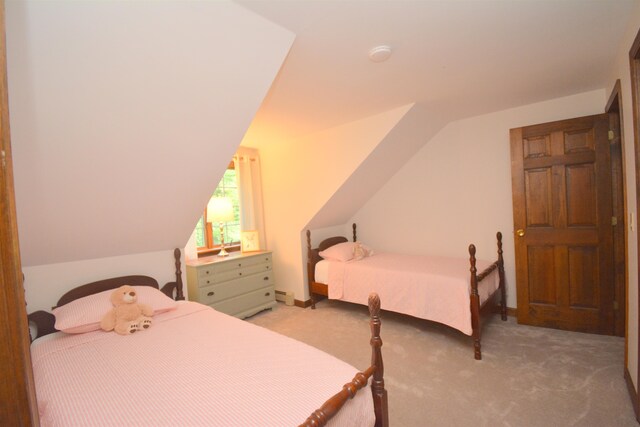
[[611, 135], [4, 159], [615, 305], [614, 220]]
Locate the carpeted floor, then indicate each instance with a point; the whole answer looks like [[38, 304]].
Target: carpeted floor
[[528, 376]]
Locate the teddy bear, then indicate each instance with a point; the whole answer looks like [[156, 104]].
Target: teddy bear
[[126, 316]]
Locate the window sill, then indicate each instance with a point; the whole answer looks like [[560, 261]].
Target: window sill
[[215, 251]]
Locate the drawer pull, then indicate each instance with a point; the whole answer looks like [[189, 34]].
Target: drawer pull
[[239, 264], [210, 294], [265, 278], [240, 273], [267, 294]]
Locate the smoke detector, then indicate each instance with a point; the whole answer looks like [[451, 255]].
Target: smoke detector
[[380, 53]]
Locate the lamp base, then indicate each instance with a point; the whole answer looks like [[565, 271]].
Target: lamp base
[[222, 252]]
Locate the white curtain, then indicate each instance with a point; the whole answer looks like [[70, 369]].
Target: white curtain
[[247, 165]]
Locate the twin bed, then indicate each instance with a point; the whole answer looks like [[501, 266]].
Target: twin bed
[[446, 290], [193, 367]]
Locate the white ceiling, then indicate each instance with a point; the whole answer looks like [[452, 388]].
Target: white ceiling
[[461, 57]]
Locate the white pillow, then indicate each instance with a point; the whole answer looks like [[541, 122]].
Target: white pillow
[[346, 251], [84, 314], [340, 252]]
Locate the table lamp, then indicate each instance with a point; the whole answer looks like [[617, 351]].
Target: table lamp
[[220, 210]]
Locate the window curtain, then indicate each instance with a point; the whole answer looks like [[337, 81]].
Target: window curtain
[[247, 165]]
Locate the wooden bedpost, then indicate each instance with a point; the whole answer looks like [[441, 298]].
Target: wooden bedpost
[[377, 384], [354, 231], [321, 416], [310, 272], [179, 292], [475, 303], [503, 290]]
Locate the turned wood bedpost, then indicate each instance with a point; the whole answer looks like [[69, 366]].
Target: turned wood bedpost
[[354, 231], [310, 272], [320, 417], [503, 290], [475, 303], [179, 293], [377, 383]]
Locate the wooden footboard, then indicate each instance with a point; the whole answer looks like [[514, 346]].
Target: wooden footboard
[[321, 416], [476, 307]]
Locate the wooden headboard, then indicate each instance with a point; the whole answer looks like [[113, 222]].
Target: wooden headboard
[[105, 285], [45, 321], [313, 254]]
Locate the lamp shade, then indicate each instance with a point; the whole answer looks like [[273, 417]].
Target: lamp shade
[[220, 209]]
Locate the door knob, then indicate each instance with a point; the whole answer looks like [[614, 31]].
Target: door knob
[[520, 232]]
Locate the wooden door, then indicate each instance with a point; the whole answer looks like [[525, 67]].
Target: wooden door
[[562, 207], [17, 394]]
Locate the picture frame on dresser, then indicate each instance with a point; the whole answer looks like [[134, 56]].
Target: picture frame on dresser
[[250, 241]]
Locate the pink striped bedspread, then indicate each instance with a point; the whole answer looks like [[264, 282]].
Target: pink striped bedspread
[[428, 287], [193, 367]]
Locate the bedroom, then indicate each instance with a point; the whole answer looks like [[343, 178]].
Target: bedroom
[[85, 232]]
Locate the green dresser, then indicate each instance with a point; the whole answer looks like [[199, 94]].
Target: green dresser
[[240, 284]]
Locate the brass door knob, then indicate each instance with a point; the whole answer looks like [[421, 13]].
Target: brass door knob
[[520, 232]]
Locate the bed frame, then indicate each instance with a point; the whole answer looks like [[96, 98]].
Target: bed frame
[[44, 323], [321, 289]]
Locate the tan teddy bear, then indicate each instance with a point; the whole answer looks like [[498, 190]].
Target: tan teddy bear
[[127, 316]]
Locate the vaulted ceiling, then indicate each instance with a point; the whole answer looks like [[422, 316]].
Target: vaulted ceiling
[[125, 114], [459, 57]]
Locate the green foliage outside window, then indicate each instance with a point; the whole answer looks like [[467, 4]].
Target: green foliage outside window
[[228, 187]]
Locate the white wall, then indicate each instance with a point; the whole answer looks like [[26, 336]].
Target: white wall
[[457, 189], [621, 70], [124, 115], [45, 284], [299, 176]]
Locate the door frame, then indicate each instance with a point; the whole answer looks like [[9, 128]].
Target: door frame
[[634, 63], [18, 404], [619, 193]]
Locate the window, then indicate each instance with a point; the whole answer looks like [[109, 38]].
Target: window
[[207, 234]]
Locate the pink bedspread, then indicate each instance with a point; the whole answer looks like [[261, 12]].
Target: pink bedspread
[[432, 288], [193, 367]]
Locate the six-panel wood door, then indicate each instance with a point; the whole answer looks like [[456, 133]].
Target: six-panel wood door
[[562, 211]]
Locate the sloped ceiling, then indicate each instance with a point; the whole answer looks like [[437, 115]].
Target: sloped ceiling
[[461, 57], [415, 127], [451, 58], [124, 116]]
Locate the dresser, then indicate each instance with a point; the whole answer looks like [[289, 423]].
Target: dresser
[[240, 284]]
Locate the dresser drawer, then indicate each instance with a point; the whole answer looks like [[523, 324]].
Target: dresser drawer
[[224, 269], [223, 276], [260, 297], [222, 291]]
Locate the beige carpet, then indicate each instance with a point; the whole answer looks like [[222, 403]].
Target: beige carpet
[[528, 376]]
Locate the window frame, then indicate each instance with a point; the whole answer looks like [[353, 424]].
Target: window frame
[[210, 248]]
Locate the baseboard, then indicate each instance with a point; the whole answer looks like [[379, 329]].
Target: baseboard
[[513, 312], [302, 304], [510, 310], [632, 392]]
